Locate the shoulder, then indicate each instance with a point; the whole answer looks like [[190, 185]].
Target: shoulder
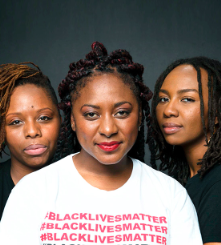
[[45, 178], [159, 180], [214, 174], [5, 165]]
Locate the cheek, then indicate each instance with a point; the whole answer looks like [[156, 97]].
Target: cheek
[[130, 129], [159, 113], [192, 116], [85, 131], [13, 137], [51, 132]]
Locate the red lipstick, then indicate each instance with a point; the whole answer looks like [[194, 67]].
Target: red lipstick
[[171, 128], [109, 146], [35, 150]]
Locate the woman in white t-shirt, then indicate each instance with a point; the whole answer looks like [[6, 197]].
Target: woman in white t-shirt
[[102, 194]]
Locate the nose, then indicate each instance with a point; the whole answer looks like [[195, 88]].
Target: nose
[[32, 130], [171, 109], [108, 126]]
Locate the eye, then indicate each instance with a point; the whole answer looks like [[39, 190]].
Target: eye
[[91, 115], [163, 100], [44, 118], [15, 122], [188, 100], [122, 114]]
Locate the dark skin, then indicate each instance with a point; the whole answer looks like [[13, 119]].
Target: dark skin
[[95, 118], [31, 120], [180, 104]]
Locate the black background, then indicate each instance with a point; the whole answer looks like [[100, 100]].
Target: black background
[[54, 33]]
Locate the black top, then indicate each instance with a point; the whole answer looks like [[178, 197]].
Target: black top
[[206, 196], [6, 184]]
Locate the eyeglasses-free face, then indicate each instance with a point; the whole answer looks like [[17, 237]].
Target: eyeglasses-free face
[[32, 126], [106, 118], [178, 109]]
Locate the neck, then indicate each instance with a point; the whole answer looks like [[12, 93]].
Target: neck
[[193, 155], [101, 175], [19, 170]]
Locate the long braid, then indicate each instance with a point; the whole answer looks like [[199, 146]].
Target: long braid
[[99, 61], [172, 157]]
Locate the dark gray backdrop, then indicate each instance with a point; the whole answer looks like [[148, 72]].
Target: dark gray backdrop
[[53, 33]]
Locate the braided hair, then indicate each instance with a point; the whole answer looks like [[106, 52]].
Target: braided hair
[[97, 62], [172, 157], [13, 75]]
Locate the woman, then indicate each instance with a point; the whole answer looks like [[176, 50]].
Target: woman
[[30, 123], [101, 195], [186, 112]]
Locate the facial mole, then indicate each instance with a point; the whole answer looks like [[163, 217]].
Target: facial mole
[[32, 106]]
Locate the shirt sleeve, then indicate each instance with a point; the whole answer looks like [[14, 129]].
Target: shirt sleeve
[[20, 221], [209, 214], [184, 223]]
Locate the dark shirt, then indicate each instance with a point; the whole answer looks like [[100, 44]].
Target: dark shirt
[[206, 196], [6, 184]]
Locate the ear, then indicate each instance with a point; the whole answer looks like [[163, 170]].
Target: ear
[[73, 124]]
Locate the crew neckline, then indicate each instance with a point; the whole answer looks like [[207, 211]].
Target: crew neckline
[[83, 182]]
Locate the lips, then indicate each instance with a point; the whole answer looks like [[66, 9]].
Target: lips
[[109, 146], [35, 150], [171, 128]]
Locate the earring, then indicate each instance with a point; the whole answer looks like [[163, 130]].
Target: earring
[[139, 128]]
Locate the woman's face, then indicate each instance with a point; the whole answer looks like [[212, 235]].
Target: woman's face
[[178, 110], [32, 126], [106, 118]]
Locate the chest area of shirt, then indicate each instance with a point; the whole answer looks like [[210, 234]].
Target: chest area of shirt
[[93, 227]]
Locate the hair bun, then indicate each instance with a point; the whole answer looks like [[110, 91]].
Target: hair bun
[[98, 50]]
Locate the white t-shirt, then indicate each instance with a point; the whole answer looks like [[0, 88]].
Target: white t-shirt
[[56, 206]]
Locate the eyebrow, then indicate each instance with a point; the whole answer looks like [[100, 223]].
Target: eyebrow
[[115, 105], [19, 113], [179, 91]]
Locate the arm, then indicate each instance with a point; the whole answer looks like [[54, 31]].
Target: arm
[[209, 214], [20, 221]]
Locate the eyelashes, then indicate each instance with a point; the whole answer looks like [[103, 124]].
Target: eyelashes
[[17, 122], [121, 114], [45, 118], [185, 99]]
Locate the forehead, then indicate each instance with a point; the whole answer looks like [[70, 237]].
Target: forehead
[[105, 87], [185, 77], [28, 95]]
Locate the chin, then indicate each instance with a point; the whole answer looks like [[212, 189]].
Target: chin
[[37, 164], [173, 141], [110, 159]]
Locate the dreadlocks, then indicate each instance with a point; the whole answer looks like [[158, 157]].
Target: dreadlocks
[[172, 157], [96, 62], [13, 75]]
